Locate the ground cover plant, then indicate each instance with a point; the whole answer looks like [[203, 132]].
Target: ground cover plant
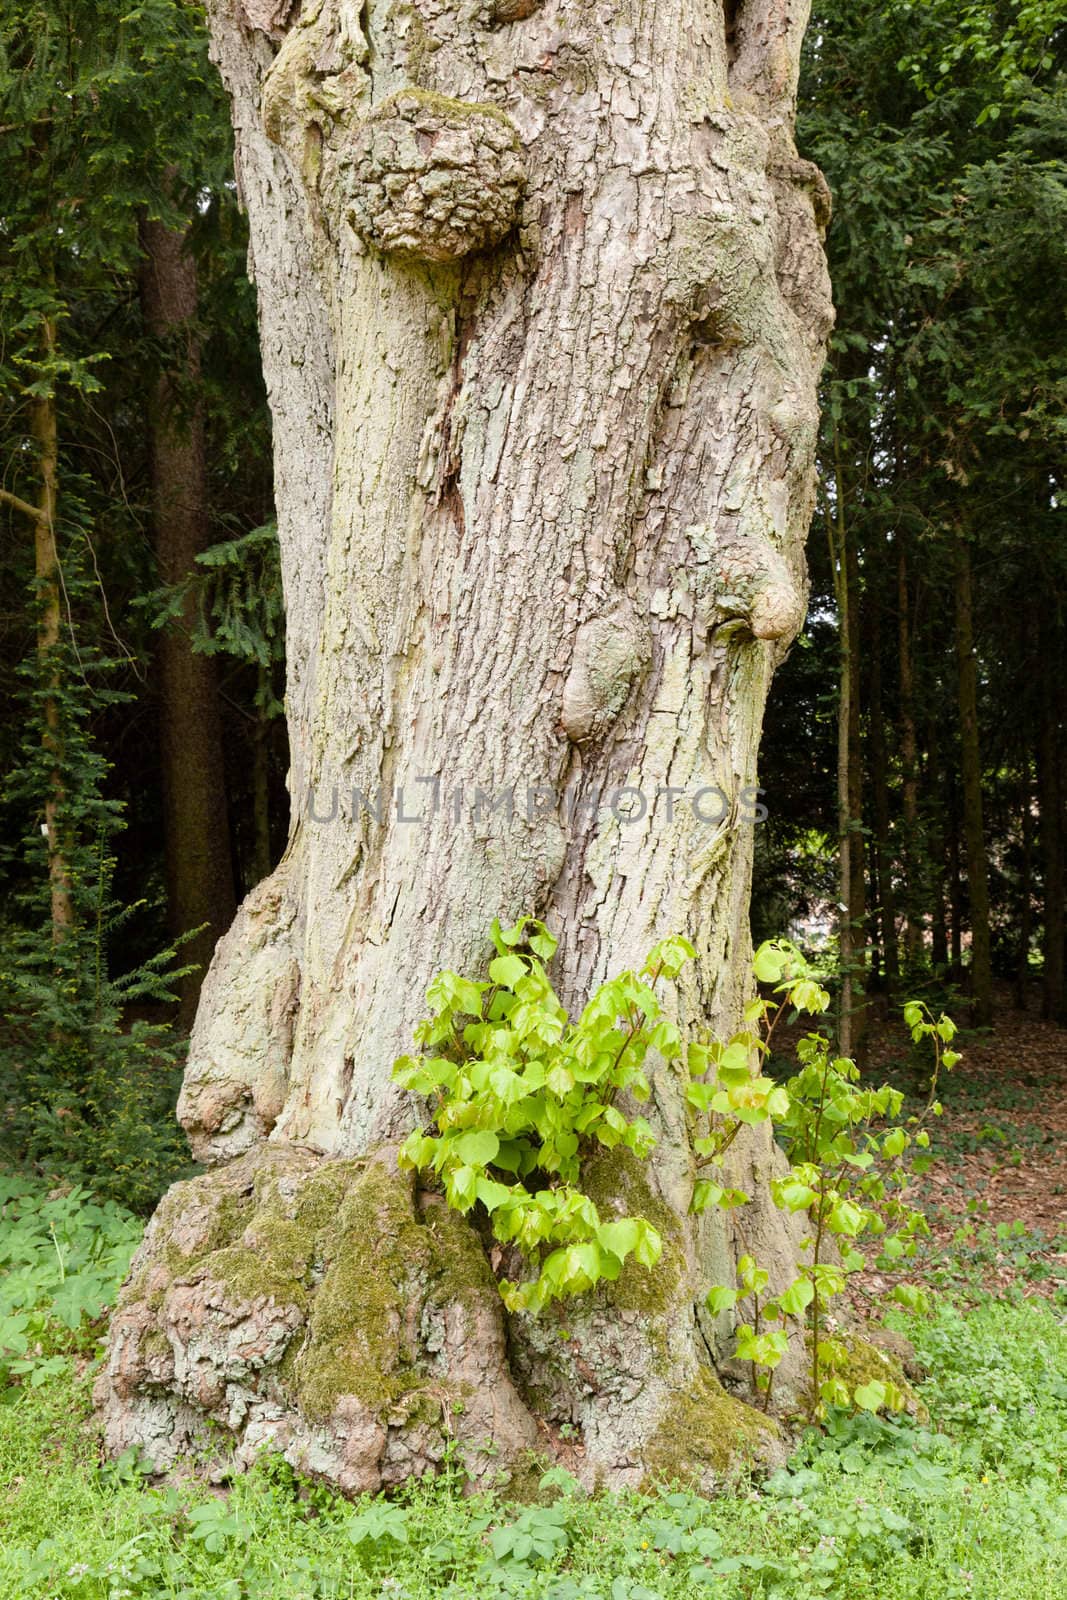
[[971, 1504]]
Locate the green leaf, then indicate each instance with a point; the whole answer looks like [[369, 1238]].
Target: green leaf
[[847, 1218], [461, 1188], [507, 970], [649, 1246], [791, 1195], [732, 1062], [808, 996], [493, 1195], [669, 956], [720, 1298], [417, 1151], [706, 1193], [796, 1299], [768, 964], [870, 1396], [477, 1148], [700, 1095], [560, 1080], [753, 1278], [665, 1038], [542, 942], [620, 1238], [895, 1142]]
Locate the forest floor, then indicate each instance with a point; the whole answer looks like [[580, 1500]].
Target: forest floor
[[995, 1192]]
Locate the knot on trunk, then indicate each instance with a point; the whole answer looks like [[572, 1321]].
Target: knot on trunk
[[745, 580], [431, 177], [610, 653]]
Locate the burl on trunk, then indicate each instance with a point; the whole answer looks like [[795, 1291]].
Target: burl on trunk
[[543, 308]]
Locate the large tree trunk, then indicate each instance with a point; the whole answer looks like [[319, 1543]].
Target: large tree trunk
[[200, 891], [543, 309]]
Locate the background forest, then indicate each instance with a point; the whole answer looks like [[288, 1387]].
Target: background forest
[[913, 757]]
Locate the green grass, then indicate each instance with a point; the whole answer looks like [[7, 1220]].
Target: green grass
[[974, 1506]]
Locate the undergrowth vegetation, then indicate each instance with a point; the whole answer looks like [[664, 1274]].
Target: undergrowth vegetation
[[62, 1258], [972, 1505], [519, 1095]]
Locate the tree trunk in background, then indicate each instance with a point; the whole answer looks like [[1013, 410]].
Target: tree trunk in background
[[44, 433], [543, 310], [261, 732], [200, 888], [1050, 803], [1026, 888], [936, 866], [1059, 690], [971, 780], [938, 925], [851, 897], [857, 889], [913, 923], [881, 844], [48, 594], [955, 882]]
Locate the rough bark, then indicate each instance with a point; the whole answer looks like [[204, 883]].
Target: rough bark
[[200, 890], [543, 308]]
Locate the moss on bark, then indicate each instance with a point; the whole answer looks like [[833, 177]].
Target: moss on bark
[[706, 1434], [866, 1362]]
